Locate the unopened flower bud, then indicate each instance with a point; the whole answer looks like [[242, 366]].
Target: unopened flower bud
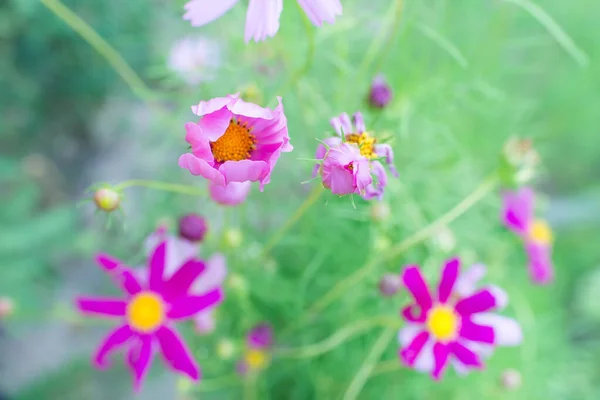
[[390, 284], [107, 199], [7, 307], [380, 94], [225, 349], [233, 238], [192, 227], [511, 379], [380, 211]]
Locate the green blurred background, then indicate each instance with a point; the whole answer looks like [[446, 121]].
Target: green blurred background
[[466, 75]]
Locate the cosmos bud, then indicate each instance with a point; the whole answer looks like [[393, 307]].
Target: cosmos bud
[[192, 227], [380, 94], [390, 284], [107, 199]]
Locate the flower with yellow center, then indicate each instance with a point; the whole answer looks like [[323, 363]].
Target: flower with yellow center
[[540, 232], [236, 143], [146, 312], [443, 323], [256, 359], [365, 142]]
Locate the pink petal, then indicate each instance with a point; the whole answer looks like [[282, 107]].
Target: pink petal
[[385, 150], [214, 125], [176, 353], [518, 209], [262, 19], [481, 301], [213, 277], [157, 267], [507, 331], [319, 11], [362, 175], [465, 356], [114, 340], [102, 306], [204, 322], [200, 144], [187, 306], [139, 358], [346, 124], [337, 125], [200, 167], [475, 332], [244, 170], [359, 122], [322, 150], [410, 353], [416, 285], [449, 276], [107, 262], [207, 107], [440, 353], [376, 190], [243, 109], [201, 12], [540, 263], [408, 333], [233, 194], [182, 279]]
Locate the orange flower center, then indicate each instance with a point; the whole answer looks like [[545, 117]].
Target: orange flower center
[[146, 312], [540, 232], [443, 323], [235, 144], [365, 143]]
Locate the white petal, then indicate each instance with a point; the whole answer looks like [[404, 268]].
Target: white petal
[[178, 252], [507, 331], [499, 295], [214, 276], [425, 361], [204, 322], [460, 368], [408, 333]]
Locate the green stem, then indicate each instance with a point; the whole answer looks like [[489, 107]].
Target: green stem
[[310, 200], [386, 366], [102, 47], [337, 338], [208, 385], [345, 285], [164, 186], [361, 377]]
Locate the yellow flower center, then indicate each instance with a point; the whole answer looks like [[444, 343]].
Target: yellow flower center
[[235, 144], [540, 232], [146, 312], [442, 323], [256, 359], [365, 143]]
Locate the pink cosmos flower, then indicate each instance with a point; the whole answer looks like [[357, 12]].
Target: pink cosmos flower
[[259, 342], [456, 325], [518, 216], [233, 194], [179, 251], [262, 18], [235, 141], [356, 135], [147, 312], [345, 170]]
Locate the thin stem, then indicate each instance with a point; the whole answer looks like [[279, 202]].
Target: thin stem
[[345, 285], [164, 186], [385, 367], [310, 200], [102, 47], [361, 377], [338, 338]]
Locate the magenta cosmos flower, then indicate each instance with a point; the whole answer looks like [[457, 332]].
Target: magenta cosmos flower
[[262, 18], [259, 342], [147, 312], [367, 146], [235, 141], [518, 216], [456, 324]]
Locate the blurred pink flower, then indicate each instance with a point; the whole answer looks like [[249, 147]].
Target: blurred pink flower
[[148, 311], [518, 216], [456, 324], [259, 342], [235, 141], [345, 170], [194, 59], [262, 18], [233, 194]]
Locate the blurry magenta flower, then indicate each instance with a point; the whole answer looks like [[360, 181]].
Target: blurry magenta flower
[[261, 336], [390, 284], [7, 307], [179, 251], [262, 18], [356, 135], [233, 194], [107, 199], [380, 94], [518, 216], [345, 170], [258, 344], [454, 325], [511, 379], [235, 141], [195, 59], [192, 227], [148, 311]]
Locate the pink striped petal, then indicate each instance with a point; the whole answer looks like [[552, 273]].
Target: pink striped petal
[[441, 354], [102, 306], [507, 331], [181, 281], [187, 307], [359, 122], [262, 19], [540, 263], [199, 142], [481, 301], [176, 353], [449, 276], [518, 208], [112, 342], [319, 11], [201, 12], [139, 358], [197, 166], [157, 267], [415, 283], [107, 262], [409, 353], [466, 357], [475, 332], [214, 125]]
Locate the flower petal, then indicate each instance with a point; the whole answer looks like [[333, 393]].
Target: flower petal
[[416, 285], [201, 12], [481, 301], [214, 125], [262, 19], [385, 150], [212, 105], [359, 122], [204, 322], [362, 175], [244, 170], [376, 189], [187, 306], [467, 281], [139, 358], [518, 208], [102, 306], [213, 276], [114, 340], [199, 142], [346, 124], [449, 276], [319, 11], [507, 331], [466, 357], [408, 333], [409, 353], [181, 281], [107, 262], [197, 166], [247, 112], [540, 263], [441, 354], [476, 332], [175, 352], [157, 267], [233, 194]]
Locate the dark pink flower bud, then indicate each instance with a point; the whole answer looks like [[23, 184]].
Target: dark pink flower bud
[[389, 285], [380, 94], [192, 227]]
